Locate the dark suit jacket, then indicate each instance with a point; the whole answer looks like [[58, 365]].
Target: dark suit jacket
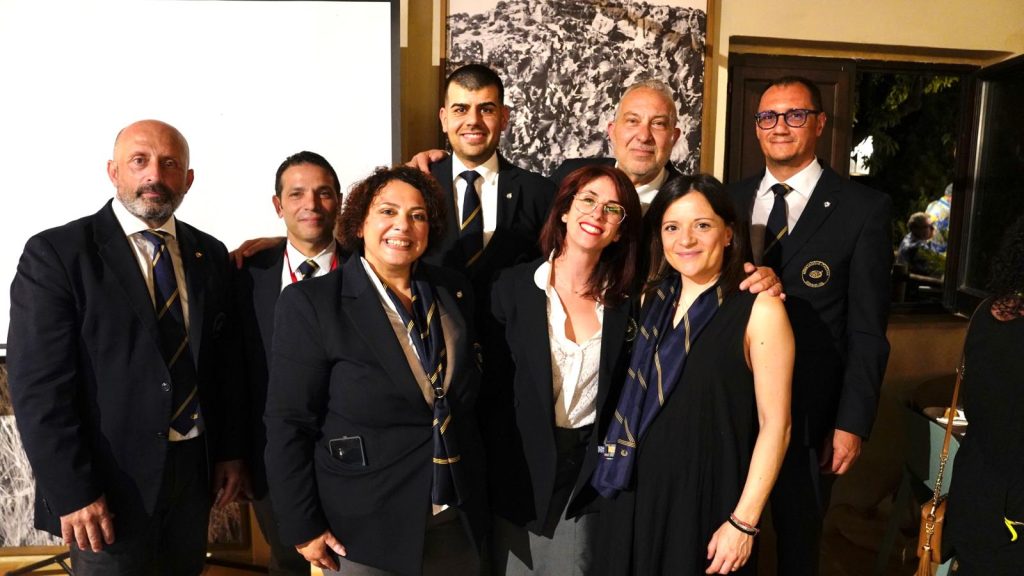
[[257, 287], [338, 370], [524, 198], [572, 164], [87, 377], [836, 268], [521, 438]]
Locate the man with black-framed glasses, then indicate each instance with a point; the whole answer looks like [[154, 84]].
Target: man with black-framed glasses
[[829, 240]]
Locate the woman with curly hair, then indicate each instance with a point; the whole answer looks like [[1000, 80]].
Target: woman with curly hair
[[374, 459], [986, 498]]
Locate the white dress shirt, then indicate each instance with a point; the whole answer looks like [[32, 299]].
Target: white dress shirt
[[802, 183], [648, 191], [574, 367], [487, 187]]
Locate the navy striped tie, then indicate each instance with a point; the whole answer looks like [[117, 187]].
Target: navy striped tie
[[308, 269], [174, 337], [776, 228], [471, 230]]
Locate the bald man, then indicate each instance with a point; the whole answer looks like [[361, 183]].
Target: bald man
[[120, 367]]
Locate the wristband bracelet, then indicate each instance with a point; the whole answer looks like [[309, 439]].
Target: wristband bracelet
[[748, 529]]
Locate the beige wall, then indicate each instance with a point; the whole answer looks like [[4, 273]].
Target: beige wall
[[971, 31]]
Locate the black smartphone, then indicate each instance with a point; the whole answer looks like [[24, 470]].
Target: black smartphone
[[348, 450]]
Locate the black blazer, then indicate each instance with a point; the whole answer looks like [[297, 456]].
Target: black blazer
[[338, 370], [524, 198], [521, 440], [836, 268], [257, 287], [86, 372]]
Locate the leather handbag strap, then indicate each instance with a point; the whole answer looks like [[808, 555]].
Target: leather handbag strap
[[950, 416]]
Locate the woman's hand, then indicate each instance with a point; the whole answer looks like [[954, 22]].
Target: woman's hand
[[728, 550], [317, 551]]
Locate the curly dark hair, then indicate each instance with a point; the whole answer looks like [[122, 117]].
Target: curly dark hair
[[360, 196], [612, 278], [1006, 274], [735, 253]]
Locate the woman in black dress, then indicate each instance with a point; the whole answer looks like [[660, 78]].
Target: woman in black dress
[[985, 521], [703, 420]]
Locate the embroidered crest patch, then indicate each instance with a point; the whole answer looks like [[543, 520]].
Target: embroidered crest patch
[[815, 274]]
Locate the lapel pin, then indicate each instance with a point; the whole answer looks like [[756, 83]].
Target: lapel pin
[[199, 254], [827, 204], [509, 195], [458, 293]]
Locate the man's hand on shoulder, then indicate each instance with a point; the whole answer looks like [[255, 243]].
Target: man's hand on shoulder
[[423, 160], [250, 247], [762, 279], [91, 527]]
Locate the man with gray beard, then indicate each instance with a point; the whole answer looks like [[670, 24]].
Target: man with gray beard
[[121, 362]]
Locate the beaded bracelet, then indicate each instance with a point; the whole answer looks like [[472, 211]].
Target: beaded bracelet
[[748, 529]]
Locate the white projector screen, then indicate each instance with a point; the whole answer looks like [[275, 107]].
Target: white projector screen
[[247, 82]]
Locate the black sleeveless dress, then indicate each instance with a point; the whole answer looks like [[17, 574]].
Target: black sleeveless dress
[[692, 463]]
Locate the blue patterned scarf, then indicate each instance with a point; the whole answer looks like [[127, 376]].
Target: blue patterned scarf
[[424, 327], [655, 366]]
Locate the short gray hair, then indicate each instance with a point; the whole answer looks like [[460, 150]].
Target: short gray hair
[[659, 87]]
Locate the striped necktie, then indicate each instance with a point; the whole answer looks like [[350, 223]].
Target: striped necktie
[[307, 269], [776, 228], [174, 337], [471, 229]]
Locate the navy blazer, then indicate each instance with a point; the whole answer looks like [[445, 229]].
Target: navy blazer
[[521, 438], [524, 199], [87, 377], [836, 270], [338, 370]]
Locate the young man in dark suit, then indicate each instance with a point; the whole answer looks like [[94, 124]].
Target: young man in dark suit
[[121, 364], [829, 241], [307, 197]]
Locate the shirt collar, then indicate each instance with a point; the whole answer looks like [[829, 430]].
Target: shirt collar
[[489, 169], [653, 185], [803, 182], [131, 224], [323, 258]]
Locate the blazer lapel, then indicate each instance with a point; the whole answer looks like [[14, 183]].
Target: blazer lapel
[[366, 312], [193, 260], [613, 332], [453, 342], [117, 255], [820, 206], [266, 290], [534, 304]]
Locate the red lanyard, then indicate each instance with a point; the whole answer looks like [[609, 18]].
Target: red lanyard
[[334, 263]]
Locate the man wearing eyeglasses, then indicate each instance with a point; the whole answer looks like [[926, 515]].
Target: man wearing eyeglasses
[[829, 241]]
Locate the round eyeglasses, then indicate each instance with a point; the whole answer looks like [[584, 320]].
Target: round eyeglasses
[[794, 118], [614, 212]]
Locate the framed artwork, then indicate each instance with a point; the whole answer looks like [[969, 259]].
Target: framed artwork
[[565, 64]]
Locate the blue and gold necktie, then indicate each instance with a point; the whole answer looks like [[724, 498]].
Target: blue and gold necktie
[[174, 337], [471, 227], [307, 269], [776, 228], [424, 328]]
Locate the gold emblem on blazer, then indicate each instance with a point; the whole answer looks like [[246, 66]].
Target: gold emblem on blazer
[[815, 274]]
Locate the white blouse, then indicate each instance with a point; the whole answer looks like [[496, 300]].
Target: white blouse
[[574, 367]]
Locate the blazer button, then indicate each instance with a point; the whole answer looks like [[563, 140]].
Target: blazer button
[[161, 435], [165, 386]]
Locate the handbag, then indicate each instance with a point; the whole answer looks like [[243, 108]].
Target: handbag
[[933, 512]]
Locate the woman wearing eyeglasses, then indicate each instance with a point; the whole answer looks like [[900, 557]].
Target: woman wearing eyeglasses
[[566, 321], [702, 423]]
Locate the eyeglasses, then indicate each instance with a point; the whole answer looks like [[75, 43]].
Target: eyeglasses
[[795, 118], [613, 211]]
